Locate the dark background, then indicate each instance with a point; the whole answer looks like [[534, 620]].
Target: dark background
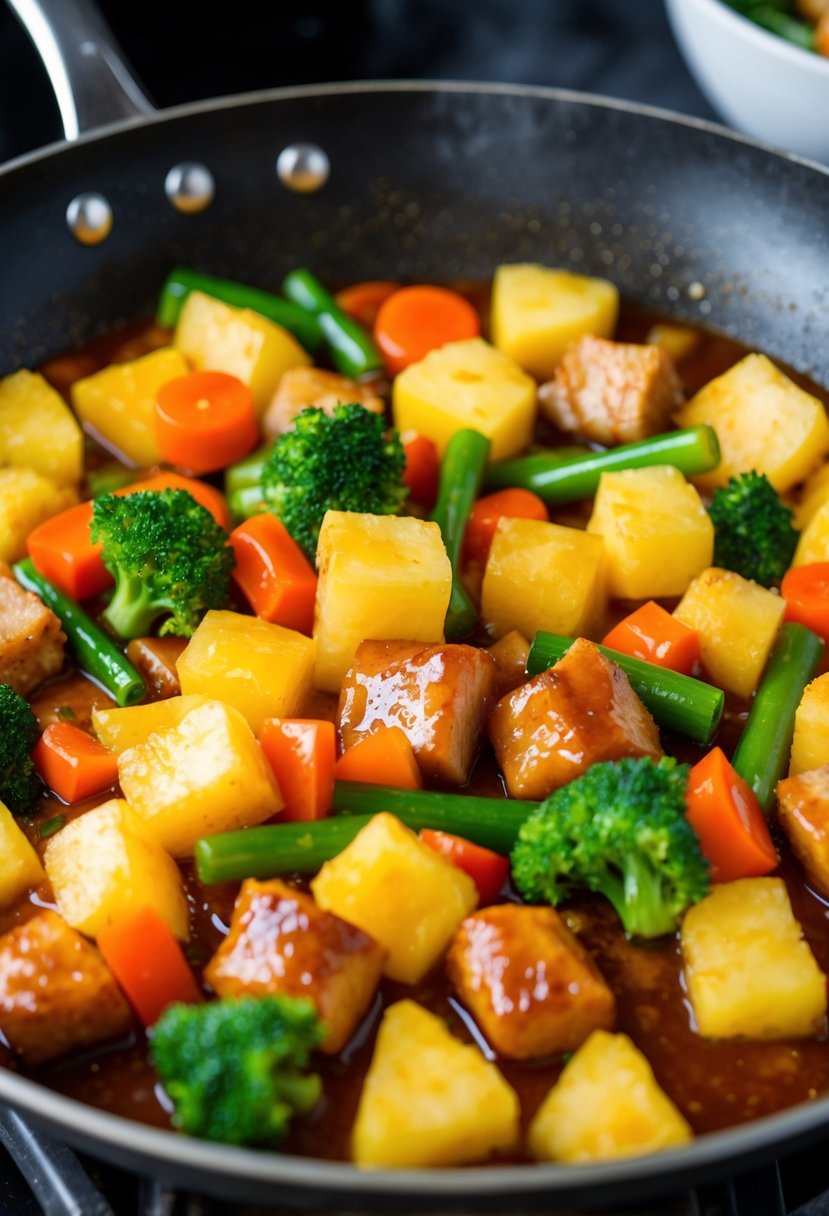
[[183, 50]]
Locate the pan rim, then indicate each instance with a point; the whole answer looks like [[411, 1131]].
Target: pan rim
[[355, 87]]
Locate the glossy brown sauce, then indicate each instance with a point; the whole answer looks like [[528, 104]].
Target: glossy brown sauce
[[715, 1084]]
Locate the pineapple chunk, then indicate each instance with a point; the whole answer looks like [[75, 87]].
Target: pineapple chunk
[[607, 1103], [537, 312], [26, 500], [119, 729], [813, 545], [815, 493], [677, 341], [104, 865], [117, 404], [20, 866], [810, 744], [380, 577], [748, 970], [657, 534], [399, 891], [763, 421], [430, 1100], [467, 384], [263, 670], [737, 621], [204, 776], [37, 429], [543, 576], [218, 337]]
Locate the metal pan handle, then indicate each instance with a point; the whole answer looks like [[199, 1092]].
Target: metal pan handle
[[92, 81]]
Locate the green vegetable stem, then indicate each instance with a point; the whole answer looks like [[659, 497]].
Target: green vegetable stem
[[352, 350], [94, 650], [558, 479], [461, 474], [678, 703]]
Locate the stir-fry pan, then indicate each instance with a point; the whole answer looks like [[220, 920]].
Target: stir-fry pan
[[411, 181]]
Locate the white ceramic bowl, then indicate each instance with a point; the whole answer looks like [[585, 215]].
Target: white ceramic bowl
[[759, 83]]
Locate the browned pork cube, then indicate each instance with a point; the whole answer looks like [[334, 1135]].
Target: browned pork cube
[[577, 713], [304, 386], [56, 992], [803, 813], [439, 696], [510, 654], [612, 392], [280, 941], [31, 639], [529, 983]]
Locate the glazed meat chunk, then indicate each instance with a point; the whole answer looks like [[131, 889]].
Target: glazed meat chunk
[[304, 386], [56, 992], [31, 638], [612, 392], [803, 813], [529, 983], [556, 725], [439, 696], [280, 941]]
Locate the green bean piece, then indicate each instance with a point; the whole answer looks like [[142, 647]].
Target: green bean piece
[[244, 503], [351, 347], [556, 479], [180, 282], [248, 472], [461, 474], [678, 703], [302, 848], [762, 754], [108, 479], [96, 652]]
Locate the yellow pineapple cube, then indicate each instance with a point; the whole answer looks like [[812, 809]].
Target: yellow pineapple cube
[[263, 670], [217, 337], [20, 866], [467, 384], [206, 775], [26, 500], [737, 621], [763, 420], [810, 744], [543, 576], [117, 404], [677, 341], [38, 430], [749, 972], [380, 577], [813, 544], [537, 312], [104, 865], [657, 534], [429, 1099], [119, 729], [400, 892], [607, 1103], [813, 496]]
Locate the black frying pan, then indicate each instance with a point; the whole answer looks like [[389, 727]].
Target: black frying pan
[[426, 181]]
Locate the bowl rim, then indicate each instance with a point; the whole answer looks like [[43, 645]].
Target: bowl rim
[[721, 11]]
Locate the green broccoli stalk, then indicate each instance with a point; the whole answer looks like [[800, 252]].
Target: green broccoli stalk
[[20, 785], [345, 461], [234, 1069], [169, 558], [753, 533], [619, 829]]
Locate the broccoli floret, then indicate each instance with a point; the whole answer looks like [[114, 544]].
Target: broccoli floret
[[619, 829], [169, 558], [753, 533], [345, 461], [235, 1068], [20, 786]]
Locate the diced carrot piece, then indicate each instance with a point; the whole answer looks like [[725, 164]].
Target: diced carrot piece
[[302, 753], [415, 320], [148, 963], [384, 757], [362, 302], [655, 635], [806, 592], [73, 764], [487, 869], [273, 573], [205, 421], [724, 812], [513, 503], [422, 471]]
